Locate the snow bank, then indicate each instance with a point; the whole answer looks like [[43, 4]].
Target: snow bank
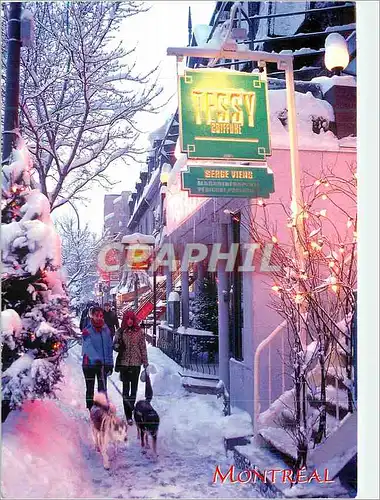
[[49, 444], [310, 112], [43, 446]]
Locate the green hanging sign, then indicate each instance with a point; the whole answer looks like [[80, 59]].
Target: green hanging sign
[[223, 115], [228, 181]]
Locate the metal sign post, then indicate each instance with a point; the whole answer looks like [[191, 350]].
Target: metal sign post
[[284, 62]]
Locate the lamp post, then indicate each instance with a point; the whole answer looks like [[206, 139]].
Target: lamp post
[[164, 179], [12, 85]]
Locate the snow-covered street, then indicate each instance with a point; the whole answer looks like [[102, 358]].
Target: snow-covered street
[[49, 445]]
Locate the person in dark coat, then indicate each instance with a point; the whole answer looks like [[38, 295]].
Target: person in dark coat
[[110, 318]]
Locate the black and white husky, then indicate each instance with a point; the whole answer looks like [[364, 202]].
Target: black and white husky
[[106, 426]]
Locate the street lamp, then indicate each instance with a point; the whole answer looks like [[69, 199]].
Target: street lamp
[[336, 53], [165, 172]]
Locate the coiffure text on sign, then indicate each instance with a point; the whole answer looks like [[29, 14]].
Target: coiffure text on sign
[[223, 114]]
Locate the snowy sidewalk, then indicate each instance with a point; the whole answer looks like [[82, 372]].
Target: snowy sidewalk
[[49, 445]]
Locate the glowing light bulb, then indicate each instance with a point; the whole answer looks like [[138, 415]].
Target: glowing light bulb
[[323, 213], [335, 288], [324, 197], [298, 298], [275, 288], [274, 239], [317, 183], [260, 202], [331, 263], [336, 52]]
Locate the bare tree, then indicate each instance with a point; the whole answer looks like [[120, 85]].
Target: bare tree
[[81, 95], [314, 292], [80, 249]]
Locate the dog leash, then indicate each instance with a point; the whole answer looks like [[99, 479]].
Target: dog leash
[[116, 387]]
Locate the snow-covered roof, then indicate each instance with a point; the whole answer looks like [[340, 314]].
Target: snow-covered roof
[[160, 132], [146, 239], [147, 190], [201, 33]]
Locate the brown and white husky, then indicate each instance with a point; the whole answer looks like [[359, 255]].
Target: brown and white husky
[[106, 426]]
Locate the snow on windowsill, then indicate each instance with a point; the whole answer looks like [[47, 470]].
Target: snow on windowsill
[[193, 331], [326, 82], [116, 200], [109, 216]]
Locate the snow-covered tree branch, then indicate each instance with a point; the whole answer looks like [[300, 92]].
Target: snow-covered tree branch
[[81, 95], [80, 249]]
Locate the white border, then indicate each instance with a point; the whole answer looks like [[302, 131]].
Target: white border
[[368, 248]]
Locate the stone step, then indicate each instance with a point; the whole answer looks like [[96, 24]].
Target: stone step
[[230, 443], [331, 379], [330, 407], [279, 443], [200, 385]]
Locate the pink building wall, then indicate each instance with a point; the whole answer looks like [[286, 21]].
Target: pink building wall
[[260, 320], [196, 220]]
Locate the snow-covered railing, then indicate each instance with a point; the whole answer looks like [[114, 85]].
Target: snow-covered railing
[[194, 350], [256, 369]]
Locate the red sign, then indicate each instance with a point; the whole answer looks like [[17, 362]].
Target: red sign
[[144, 311], [139, 256]]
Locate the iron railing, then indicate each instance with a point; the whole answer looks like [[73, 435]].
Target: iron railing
[[193, 350]]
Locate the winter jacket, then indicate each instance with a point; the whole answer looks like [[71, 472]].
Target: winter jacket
[[131, 346], [111, 321], [97, 346]]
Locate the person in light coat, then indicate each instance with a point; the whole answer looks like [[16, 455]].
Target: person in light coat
[[129, 342]]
